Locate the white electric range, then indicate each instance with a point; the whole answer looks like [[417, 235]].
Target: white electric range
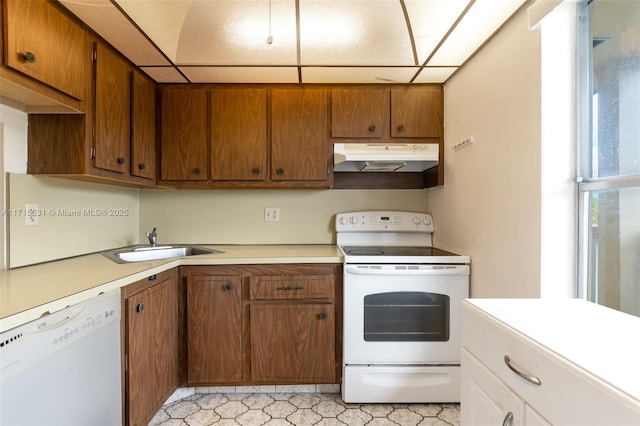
[[401, 309]]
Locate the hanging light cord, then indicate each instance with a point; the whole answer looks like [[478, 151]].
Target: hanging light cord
[[270, 37]]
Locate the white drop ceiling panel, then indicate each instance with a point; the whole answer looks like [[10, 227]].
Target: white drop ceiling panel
[[430, 22], [370, 33], [474, 29], [164, 74], [370, 75], [113, 26], [241, 74], [435, 74]]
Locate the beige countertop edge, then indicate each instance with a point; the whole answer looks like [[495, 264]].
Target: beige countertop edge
[[26, 296]]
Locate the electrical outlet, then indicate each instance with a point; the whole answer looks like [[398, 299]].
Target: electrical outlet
[[272, 214], [31, 213]]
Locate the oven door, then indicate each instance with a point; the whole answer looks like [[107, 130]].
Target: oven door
[[403, 314]]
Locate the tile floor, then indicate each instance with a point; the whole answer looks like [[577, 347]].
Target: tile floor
[[283, 408]]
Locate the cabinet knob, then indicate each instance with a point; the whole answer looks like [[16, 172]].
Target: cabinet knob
[[401, 128], [228, 287], [141, 166], [120, 160], [280, 171], [29, 57], [196, 170], [372, 128], [255, 171], [323, 316], [140, 307]]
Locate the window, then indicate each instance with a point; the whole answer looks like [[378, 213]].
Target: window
[[609, 151]]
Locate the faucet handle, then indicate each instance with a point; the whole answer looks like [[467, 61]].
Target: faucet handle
[[153, 237]]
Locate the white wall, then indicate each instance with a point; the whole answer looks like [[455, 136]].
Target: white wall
[[490, 206], [237, 216]]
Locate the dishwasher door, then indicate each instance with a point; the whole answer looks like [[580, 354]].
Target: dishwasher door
[[64, 369]]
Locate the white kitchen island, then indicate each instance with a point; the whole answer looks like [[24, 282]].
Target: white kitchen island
[[573, 362]]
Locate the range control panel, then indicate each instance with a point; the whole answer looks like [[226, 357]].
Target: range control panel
[[384, 221]]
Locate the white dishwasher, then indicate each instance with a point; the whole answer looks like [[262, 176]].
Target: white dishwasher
[[64, 369]]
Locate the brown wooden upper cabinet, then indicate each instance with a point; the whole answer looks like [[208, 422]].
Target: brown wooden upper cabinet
[[143, 130], [238, 134], [112, 110], [385, 114], [44, 43], [100, 144], [300, 148], [215, 136], [184, 139]]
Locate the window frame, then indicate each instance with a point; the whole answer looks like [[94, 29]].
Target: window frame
[[586, 183]]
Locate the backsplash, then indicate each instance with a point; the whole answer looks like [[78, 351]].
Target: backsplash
[[237, 216], [73, 218]]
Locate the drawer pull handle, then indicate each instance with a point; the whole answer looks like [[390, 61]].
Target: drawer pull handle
[[508, 419], [527, 377], [228, 287], [323, 316], [291, 287], [140, 307]]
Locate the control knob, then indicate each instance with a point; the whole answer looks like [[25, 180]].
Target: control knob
[[417, 220], [343, 221], [427, 220], [353, 219]]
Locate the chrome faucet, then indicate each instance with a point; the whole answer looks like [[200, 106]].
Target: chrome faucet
[[153, 237]]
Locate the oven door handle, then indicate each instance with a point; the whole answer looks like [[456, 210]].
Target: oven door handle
[[447, 270]]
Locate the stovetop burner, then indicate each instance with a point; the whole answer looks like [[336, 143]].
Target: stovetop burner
[[405, 251]]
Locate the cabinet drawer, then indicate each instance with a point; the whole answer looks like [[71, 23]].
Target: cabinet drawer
[[269, 287], [566, 394]]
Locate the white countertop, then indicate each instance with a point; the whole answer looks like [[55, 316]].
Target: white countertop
[[600, 340], [28, 292]]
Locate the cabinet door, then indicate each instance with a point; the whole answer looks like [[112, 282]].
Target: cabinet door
[[143, 127], [183, 133], [293, 343], [152, 347], [484, 399], [359, 113], [214, 329], [44, 43], [112, 111], [238, 134], [417, 112], [300, 148]]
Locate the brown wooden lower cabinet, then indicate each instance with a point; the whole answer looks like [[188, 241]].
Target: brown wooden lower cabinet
[[229, 324], [263, 324], [151, 344], [214, 328], [293, 342]]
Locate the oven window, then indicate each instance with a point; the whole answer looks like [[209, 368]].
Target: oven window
[[406, 316]]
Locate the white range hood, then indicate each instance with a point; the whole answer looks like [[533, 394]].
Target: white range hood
[[392, 157]]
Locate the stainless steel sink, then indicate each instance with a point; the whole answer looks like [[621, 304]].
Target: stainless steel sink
[[147, 253]]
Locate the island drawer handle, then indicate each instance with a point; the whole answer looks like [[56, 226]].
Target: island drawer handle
[[508, 419], [527, 377]]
